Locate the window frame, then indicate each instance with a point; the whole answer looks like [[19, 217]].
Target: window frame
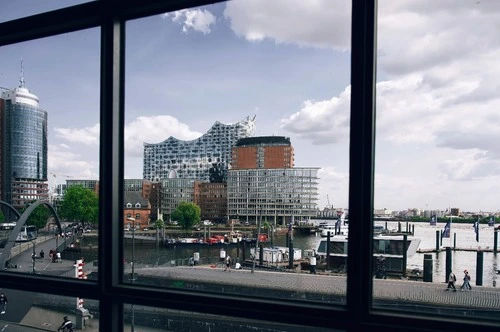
[[110, 290]]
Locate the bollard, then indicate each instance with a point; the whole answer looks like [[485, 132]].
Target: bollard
[[399, 226], [454, 240], [479, 269], [427, 268], [437, 240], [448, 263], [405, 254], [243, 252], [261, 254], [290, 255], [495, 240], [328, 251]]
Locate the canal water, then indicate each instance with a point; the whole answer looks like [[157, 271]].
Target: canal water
[[461, 260]]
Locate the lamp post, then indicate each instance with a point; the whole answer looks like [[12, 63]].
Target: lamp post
[[33, 255], [132, 278]]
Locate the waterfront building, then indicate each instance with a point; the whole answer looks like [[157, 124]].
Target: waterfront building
[[263, 152], [193, 159], [136, 210], [173, 192], [212, 200], [89, 184], [23, 148], [279, 195]]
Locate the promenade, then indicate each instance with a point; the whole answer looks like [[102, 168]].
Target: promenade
[[389, 293]]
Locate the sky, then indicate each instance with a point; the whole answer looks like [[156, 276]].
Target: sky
[[287, 62]]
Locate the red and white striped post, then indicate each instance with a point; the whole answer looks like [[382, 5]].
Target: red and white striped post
[[79, 274]]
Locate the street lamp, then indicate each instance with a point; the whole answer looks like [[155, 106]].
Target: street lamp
[[33, 255], [132, 329]]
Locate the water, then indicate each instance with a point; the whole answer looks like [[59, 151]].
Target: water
[[461, 260]]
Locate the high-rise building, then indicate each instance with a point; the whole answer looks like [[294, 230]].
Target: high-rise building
[[23, 147], [263, 152], [174, 158]]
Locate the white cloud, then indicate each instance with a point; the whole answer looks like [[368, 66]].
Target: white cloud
[[322, 122], [193, 19], [313, 23], [87, 135]]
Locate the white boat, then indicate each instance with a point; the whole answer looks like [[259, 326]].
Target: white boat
[[341, 229]]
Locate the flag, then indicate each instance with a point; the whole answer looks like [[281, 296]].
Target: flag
[[446, 230], [476, 229]]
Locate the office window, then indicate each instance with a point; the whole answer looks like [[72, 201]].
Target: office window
[[434, 161]]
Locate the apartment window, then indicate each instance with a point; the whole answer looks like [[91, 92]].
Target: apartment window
[[130, 32]]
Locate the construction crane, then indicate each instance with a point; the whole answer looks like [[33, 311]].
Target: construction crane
[[55, 178]]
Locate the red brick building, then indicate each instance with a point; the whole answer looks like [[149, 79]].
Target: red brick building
[[263, 152]]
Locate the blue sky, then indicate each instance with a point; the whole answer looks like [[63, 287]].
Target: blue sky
[[288, 63]]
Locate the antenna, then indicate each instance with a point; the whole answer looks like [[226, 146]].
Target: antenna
[[21, 78]]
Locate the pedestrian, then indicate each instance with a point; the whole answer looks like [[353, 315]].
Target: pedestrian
[[466, 285], [3, 303], [42, 254], [58, 257], [228, 263], [451, 282]]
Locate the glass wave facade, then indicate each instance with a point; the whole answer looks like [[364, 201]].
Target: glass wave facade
[[174, 158]]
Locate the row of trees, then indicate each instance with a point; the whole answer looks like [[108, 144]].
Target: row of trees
[[81, 205]]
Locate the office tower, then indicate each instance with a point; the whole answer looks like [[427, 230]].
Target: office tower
[[174, 158], [263, 152], [23, 136], [278, 195]]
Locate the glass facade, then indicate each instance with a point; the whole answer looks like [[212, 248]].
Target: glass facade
[[193, 159], [279, 195]]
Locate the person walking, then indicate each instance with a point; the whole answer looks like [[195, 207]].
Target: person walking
[[451, 282], [3, 303], [466, 285], [228, 263]]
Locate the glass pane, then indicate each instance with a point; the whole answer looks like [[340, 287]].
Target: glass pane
[[18, 9], [244, 123], [49, 111], [435, 164], [26, 311], [144, 318]]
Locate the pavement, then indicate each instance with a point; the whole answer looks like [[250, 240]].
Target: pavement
[[40, 318]]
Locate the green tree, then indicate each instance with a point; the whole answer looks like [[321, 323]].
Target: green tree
[[79, 205], [187, 214], [39, 217], [159, 224]]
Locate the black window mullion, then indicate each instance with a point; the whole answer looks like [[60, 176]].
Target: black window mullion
[[361, 159], [111, 169]]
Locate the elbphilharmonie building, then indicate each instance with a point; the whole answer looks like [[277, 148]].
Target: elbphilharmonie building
[[174, 158], [23, 148]]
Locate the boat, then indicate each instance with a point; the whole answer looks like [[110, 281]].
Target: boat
[[336, 229], [388, 247], [212, 241]]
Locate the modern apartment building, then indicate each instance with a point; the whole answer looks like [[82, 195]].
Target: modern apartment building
[[279, 196], [173, 192], [263, 152], [89, 184], [193, 159], [212, 200], [23, 147]]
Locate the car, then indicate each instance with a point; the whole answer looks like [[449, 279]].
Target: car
[[126, 229], [145, 229]]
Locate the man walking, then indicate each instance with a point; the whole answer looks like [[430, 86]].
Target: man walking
[[451, 282], [228, 263], [3, 303], [466, 285]]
